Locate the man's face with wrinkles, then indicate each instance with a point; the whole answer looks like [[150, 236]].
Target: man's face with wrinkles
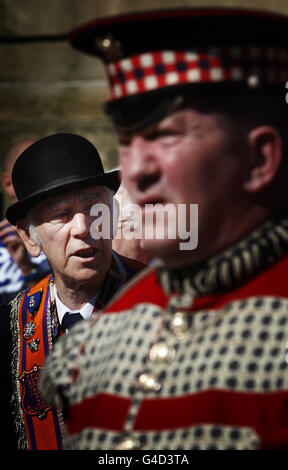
[[63, 224]]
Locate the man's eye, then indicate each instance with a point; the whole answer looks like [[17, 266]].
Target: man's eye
[[165, 135], [60, 215]]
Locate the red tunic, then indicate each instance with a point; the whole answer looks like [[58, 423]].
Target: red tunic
[[193, 363]]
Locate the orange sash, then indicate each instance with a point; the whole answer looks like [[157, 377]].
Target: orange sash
[[35, 327], [37, 331]]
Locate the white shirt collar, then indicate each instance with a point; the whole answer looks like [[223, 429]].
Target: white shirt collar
[[86, 311]]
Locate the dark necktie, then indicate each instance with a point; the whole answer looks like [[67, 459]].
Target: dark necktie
[[69, 320]]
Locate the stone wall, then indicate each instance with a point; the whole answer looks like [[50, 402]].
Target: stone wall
[[46, 86]]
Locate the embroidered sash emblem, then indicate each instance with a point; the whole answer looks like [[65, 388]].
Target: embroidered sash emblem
[[32, 402], [33, 345], [29, 330], [34, 302]]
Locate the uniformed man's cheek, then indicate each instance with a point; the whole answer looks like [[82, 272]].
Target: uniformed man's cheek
[[178, 184]]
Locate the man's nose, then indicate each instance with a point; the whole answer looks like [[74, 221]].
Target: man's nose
[[80, 225], [141, 165]]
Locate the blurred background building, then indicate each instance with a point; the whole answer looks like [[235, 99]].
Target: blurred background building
[[46, 86]]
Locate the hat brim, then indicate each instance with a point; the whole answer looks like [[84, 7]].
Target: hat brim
[[18, 210]]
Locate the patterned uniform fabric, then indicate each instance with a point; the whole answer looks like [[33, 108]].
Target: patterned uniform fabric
[[184, 359]]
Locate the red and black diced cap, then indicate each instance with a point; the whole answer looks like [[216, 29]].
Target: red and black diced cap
[[152, 55]]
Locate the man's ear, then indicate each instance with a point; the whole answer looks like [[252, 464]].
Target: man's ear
[[31, 246], [7, 184], [265, 146]]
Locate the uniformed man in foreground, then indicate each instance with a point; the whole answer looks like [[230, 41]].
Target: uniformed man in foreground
[[59, 182], [192, 354]]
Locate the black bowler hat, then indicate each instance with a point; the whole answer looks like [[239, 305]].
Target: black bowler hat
[[151, 57], [54, 165]]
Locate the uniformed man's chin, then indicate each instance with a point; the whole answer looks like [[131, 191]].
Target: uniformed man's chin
[[160, 248]]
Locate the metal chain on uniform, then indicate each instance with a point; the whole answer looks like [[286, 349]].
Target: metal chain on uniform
[[173, 318]]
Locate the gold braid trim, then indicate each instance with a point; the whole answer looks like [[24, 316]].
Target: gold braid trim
[[16, 396]]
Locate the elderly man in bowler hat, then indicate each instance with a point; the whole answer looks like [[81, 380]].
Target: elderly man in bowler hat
[[57, 180], [192, 355]]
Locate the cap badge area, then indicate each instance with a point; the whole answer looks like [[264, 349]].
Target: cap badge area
[[110, 48]]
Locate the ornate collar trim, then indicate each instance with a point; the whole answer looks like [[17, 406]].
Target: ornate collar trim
[[260, 249]]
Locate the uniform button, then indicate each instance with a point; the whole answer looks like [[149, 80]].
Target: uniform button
[[149, 383], [179, 324], [161, 353], [127, 444]]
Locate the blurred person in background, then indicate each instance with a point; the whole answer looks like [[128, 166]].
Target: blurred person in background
[[17, 268], [126, 242]]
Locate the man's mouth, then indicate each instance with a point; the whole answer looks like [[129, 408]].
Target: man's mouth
[[85, 253], [151, 201]]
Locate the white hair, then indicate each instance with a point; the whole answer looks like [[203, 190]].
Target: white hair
[[33, 232]]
